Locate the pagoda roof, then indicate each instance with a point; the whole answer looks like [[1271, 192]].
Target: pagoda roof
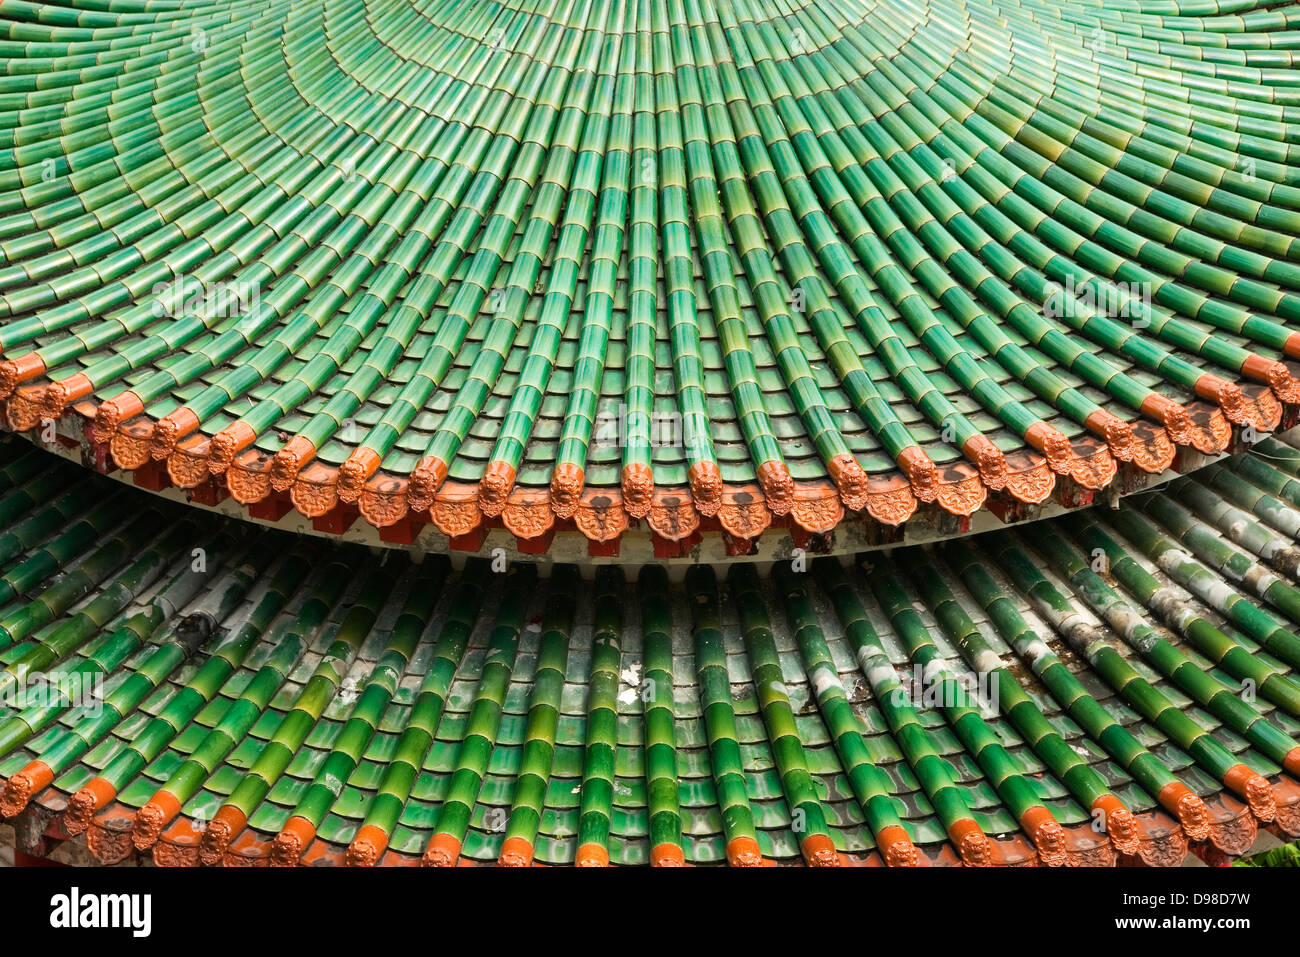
[[252, 697], [678, 266]]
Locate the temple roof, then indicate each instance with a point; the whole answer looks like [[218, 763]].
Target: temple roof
[[732, 379], [648, 263], [225, 694]]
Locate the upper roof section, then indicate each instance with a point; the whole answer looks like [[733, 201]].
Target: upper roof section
[[676, 263]]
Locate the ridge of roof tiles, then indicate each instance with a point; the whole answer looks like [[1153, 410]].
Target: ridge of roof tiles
[[413, 258], [1112, 686]]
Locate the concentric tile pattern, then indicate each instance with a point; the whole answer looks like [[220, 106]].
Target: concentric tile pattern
[[607, 262], [1112, 685]]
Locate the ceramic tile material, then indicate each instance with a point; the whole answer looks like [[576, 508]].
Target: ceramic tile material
[[712, 264], [1112, 686]]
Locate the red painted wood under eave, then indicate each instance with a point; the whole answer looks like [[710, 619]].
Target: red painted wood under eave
[[209, 493], [337, 520], [1006, 508], [471, 542], [23, 859], [98, 452], [739, 547], [152, 476], [272, 508], [667, 548], [536, 546], [1072, 495], [401, 532]]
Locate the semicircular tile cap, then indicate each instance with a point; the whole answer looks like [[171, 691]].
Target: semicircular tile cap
[[567, 482], [289, 461], [355, 472], [226, 444], [425, 481], [112, 413]]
